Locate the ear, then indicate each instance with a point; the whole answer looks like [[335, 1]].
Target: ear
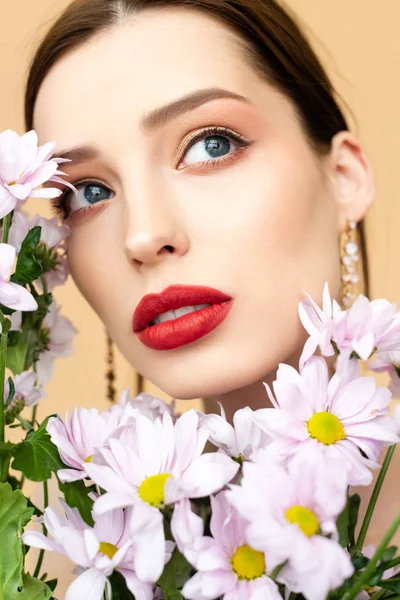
[[351, 177]]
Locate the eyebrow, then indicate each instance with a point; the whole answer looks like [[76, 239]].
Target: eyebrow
[[156, 118]]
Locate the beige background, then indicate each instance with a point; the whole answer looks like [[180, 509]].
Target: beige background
[[359, 43]]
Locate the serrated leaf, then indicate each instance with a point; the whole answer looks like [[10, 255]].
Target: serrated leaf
[[34, 589], [76, 496], [20, 357], [37, 457], [14, 515]]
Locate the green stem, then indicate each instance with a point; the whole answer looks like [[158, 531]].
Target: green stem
[[3, 354], [34, 409], [6, 226], [370, 568], [44, 284], [41, 553], [374, 498], [378, 595]]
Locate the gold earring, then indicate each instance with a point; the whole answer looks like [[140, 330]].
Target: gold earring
[[110, 370], [349, 260]]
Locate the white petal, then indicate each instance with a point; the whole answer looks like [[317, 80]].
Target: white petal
[[88, 586], [209, 473]]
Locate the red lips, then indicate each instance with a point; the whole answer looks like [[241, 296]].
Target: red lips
[[174, 296]]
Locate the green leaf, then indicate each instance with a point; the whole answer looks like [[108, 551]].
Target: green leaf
[[20, 356], [37, 457], [52, 584], [342, 524], [354, 505], [33, 589], [6, 448], [76, 495], [389, 553], [28, 268], [14, 515], [392, 584], [118, 587], [10, 393], [176, 572]]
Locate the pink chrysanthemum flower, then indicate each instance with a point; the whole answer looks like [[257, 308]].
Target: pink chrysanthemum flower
[[364, 328], [81, 435], [23, 166], [227, 566], [289, 513], [388, 362], [337, 418], [239, 440], [98, 550], [60, 332], [153, 464]]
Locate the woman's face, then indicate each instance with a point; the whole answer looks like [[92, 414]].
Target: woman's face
[[246, 209]]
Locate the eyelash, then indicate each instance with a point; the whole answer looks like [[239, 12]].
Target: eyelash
[[60, 205]]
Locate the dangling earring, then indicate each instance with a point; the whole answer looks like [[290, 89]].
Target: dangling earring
[[110, 372], [349, 258]]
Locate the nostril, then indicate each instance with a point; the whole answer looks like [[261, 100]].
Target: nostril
[[169, 248]]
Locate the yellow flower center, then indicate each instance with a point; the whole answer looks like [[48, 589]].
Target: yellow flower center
[[305, 519], [326, 428], [248, 563], [88, 459], [108, 549], [152, 489]]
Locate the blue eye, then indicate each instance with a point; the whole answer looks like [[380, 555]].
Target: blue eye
[[92, 192], [213, 146]]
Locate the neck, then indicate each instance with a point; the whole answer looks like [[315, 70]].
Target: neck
[[253, 395]]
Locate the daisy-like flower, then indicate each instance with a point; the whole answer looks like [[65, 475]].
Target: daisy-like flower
[[239, 440], [98, 550], [291, 526], [23, 167], [153, 464], [60, 333], [52, 247], [146, 404], [389, 362], [365, 327], [12, 294], [227, 565], [344, 418], [81, 435], [26, 394]]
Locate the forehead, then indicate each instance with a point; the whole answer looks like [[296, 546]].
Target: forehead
[[151, 59]]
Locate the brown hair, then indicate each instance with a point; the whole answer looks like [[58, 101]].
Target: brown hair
[[271, 40]]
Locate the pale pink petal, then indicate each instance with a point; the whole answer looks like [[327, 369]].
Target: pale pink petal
[[88, 586], [140, 590], [69, 475], [207, 586], [7, 258], [209, 473], [18, 297], [149, 542], [110, 501]]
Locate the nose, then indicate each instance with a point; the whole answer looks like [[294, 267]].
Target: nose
[[153, 232]]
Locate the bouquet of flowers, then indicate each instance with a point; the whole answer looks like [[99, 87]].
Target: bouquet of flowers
[[146, 512]]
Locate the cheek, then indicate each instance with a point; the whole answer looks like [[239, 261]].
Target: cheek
[[91, 268]]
